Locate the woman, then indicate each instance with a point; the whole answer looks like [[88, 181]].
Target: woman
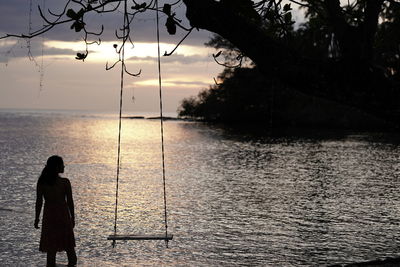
[[58, 213]]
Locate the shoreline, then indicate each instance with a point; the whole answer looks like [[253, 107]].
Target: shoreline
[[165, 118], [386, 262]]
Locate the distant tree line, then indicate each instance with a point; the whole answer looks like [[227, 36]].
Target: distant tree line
[[242, 96]]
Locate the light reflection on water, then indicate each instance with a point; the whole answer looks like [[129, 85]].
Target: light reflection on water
[[232, 201]]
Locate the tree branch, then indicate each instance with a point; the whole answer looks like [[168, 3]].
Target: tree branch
[[245, 31]]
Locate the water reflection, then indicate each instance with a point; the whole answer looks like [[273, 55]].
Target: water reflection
[[233, 200]]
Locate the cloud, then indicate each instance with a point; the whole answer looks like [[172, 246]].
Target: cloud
[[142, 53], [169, 83], [7, 43], [180, 59], [11, 49]]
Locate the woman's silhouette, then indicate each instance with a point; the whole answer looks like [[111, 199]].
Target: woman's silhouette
[[58, 213]]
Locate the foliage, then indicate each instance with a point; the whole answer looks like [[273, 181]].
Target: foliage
[[227, 101], [387, 41], [243, 94]]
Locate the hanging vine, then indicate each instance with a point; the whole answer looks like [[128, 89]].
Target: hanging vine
[[39, 66]]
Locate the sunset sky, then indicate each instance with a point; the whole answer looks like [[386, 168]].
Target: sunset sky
[[57, 80], [54, 79]]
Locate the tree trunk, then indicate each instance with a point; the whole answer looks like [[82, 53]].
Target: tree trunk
[[355, 42]]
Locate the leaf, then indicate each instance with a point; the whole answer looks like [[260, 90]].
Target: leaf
[[218, 54], [80, 56], [171, 25], [71, 14], [288, 18], [270, 15], [78, 25], [80, 13], [139, 6], [287, 8], [167, 9]]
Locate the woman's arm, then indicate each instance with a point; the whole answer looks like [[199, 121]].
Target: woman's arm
[[39, 203], [70, 202]]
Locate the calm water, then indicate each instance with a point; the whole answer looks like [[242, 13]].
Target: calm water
[[232, 201]]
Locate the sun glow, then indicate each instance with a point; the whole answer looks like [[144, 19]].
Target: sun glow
[[106, 51], [5, 43], [172, 83]]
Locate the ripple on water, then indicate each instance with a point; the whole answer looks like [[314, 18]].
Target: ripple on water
[[231, 201]]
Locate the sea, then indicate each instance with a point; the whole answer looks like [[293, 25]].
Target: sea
[[233, 198]]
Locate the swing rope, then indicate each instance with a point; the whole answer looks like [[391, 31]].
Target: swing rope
[[161, 124], [122, 57], [123, 69]]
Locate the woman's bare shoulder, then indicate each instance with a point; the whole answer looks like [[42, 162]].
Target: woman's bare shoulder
[[65, 180]]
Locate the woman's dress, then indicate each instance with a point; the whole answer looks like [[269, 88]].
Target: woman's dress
[[57, 230]]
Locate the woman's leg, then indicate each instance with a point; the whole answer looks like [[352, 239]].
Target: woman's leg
[[72, 260], [51, 259]]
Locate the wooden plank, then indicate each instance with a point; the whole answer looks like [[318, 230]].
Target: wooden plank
[[140, 237]]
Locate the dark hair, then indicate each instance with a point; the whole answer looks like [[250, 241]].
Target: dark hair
[[50, 171]]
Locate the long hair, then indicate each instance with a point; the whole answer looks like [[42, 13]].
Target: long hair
[[50, 171]]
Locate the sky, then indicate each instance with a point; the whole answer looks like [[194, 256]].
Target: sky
[[54, 79]]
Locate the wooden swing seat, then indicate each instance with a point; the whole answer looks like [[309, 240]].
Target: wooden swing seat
[[140, 237]]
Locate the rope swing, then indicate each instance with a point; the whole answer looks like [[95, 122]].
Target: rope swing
[[116, 236]]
